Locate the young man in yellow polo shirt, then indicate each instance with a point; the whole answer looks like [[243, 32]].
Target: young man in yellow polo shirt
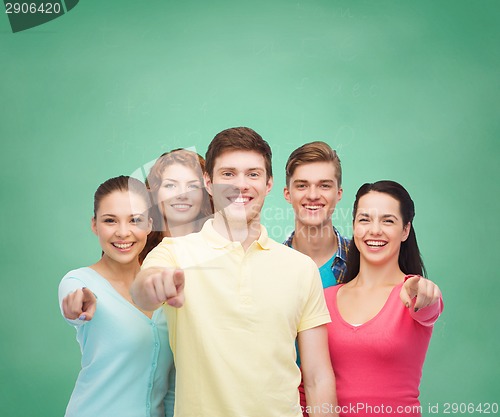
[[237, 300]]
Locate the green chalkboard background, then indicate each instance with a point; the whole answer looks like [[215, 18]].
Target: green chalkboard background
[[404, 90]]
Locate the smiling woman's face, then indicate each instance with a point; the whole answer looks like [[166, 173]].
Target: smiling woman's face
[[180, 195], [378, 228]]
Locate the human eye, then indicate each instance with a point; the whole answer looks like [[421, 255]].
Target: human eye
[[194, 186], [300, 186], [254, 175], [136, 220], [169, 185], [389, 221], [227, 174], [326, 186]]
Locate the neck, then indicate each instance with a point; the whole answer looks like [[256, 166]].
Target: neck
[[318, 242], [176, 230], [117, 272], [379, 275], [237, 230]]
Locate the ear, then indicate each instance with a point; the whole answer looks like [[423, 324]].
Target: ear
[[269, 185], [93, 225], [286, 194], [406, 231], [208, 183], [340, 193], [150, 225]]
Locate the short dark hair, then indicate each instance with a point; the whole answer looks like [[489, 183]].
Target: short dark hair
[[238, 139], [410, 260]]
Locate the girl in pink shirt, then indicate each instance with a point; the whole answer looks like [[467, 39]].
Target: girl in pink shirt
[[382, 317]]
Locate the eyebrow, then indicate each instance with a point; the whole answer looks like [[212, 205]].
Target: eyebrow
[[384, 216], [246, 170], [307, 181], [114, 215], [173, 180]]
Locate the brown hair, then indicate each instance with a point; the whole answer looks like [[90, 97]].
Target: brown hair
[[313, 152], [236, 139], [153, 182], [121, 183]]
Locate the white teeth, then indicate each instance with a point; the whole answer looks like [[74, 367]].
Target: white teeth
[[240, 200], [313, 207], [181, 206], [123, 245], [375, 243]]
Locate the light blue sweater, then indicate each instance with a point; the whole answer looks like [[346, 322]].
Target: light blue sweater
[[127, 365]]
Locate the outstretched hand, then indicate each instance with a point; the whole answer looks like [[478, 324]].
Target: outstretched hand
[[79, 304], [166, 286], [424, 290]]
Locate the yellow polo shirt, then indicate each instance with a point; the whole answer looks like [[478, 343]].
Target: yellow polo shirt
[[234, 338]]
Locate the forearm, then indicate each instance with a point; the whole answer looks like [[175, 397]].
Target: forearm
[[143, 292], [321, 396], [317, 373], [427, 316]]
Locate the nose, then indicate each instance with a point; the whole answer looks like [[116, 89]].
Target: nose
[[123, 229], [312, 193], [375, 228], [241, 182], [183, 190]]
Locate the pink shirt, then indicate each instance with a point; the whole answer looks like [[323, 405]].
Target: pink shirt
[[378, 365]]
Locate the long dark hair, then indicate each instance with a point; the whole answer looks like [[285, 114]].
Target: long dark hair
[[410, 260]]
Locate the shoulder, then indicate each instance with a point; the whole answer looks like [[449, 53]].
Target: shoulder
[[171, 249], [282, 248], [331, 294], [79, 278], [172, 242], [82, 274], [292, 256], [333, 289]]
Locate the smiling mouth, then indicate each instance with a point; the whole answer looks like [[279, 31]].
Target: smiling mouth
[[375, 243], [123, 245], [312, 207], [181, 206], [239, 199]]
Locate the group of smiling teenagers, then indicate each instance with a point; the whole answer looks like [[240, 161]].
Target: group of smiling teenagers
[[322, 325]]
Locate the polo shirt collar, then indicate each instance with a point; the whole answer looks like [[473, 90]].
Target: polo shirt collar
[[217, 241]]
